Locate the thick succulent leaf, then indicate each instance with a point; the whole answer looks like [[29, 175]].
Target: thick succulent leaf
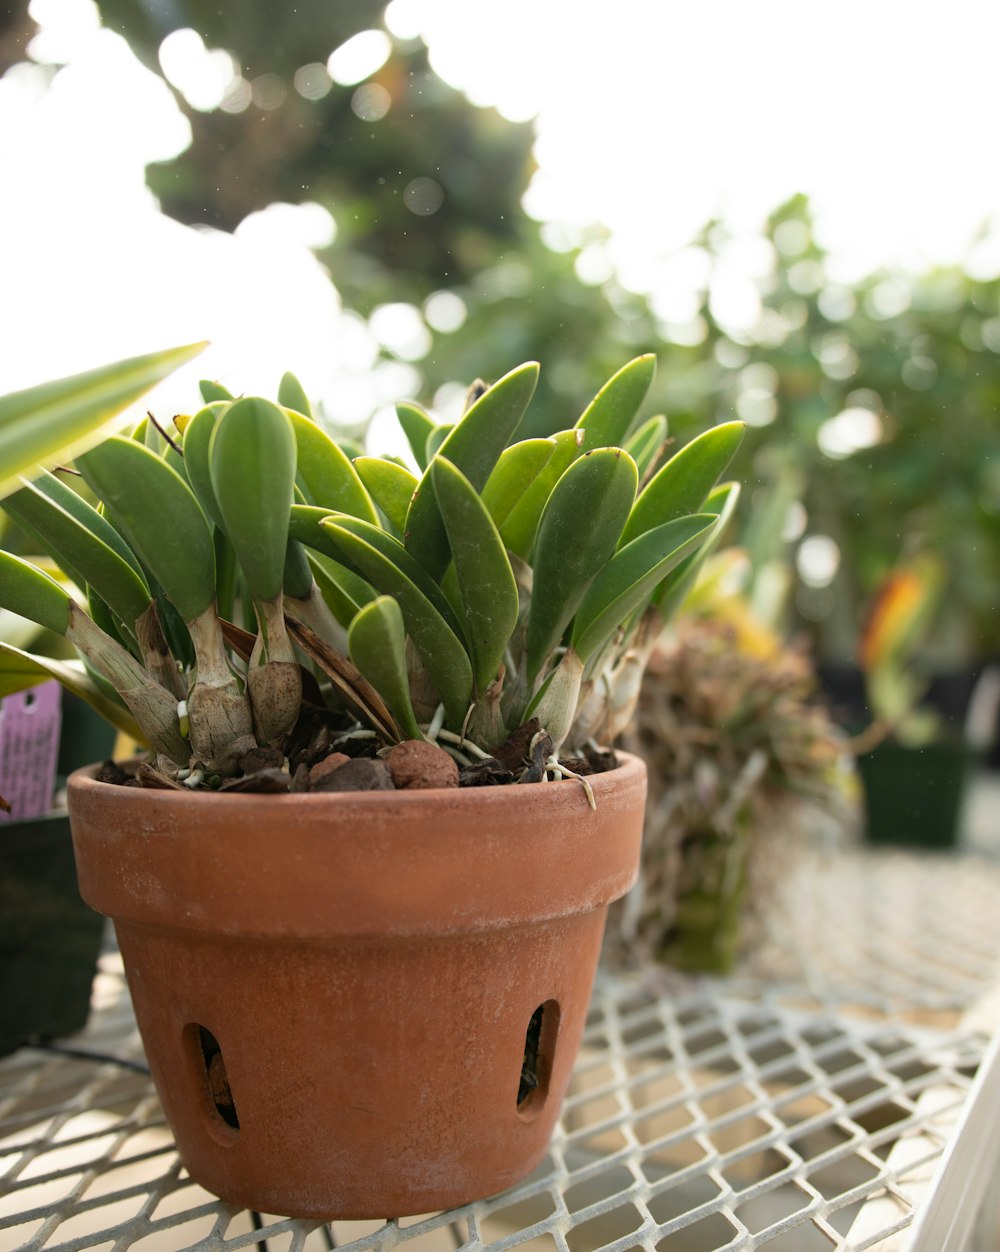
[[435, 439], [394, 551], [159, 516], [292, 395], [521, 524], [87, 558], [25, 590], [390, 485], [721, 502], [58, 420], [298, 577], [377, 644], [682, 485], [253, 471], [95, 521], [486, 587], [343, 591], [631, 577], [608, 418], [212, 391], [474, 446], [20, 670], [197, 460], [416, 425], [441, 649], [518, 467], [580, 527], [326, 474], [645, 445]]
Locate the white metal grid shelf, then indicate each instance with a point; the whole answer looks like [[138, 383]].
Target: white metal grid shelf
[[802, 1108]]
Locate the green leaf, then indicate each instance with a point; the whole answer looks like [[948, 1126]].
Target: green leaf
[[58, 420], [344, 592], [474, 446], [435, 439], [78, 549], [32, 594], [609, 416], [521, 524], [416, 425], [253, 471], [721, 503], [298, 578], [292, 395], [441, 649], [211, 391], [326, 474], [389, 485], [20, 670], [682, 485], [63, 495], [515, 471], [159, 516], [376, 641], [394, 551], [631, 577], [645, 445], [486, 586], [197, 461], [576, 536]]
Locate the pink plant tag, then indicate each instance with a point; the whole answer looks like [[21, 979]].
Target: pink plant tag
[[29, 746]]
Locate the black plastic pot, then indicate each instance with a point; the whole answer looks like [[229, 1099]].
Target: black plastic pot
[[914, 795], [49, 939]]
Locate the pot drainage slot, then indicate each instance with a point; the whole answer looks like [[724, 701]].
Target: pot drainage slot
[[218, 1079], [536, 1064]]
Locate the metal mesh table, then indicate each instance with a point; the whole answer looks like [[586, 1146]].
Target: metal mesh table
[[834, 1095]]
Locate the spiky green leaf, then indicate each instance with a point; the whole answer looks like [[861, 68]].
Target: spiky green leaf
[[721, 502], [58, 420], [577, 534]]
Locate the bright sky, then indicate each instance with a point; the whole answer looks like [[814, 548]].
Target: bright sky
[[652, 116]]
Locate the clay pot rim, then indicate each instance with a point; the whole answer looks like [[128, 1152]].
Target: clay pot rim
[[359, 864], [630, 769]]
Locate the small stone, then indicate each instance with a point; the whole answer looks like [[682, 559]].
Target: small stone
[[416, 765], [327, 766], [358, 774]]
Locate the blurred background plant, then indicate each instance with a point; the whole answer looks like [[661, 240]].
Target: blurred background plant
[[747, 770], [325, 132]]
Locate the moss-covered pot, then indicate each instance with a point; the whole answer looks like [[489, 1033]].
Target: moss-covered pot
[[339, 994]]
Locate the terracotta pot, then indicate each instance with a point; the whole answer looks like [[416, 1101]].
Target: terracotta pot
[[335, 991]]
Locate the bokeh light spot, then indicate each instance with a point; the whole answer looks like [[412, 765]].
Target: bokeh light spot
[[371, 102], [817, 560], [312, 81], [268, 91], [359, 57], [423, 196], [445, 311]]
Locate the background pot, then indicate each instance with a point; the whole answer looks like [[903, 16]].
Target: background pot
[[49, 939], [338, 994]]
